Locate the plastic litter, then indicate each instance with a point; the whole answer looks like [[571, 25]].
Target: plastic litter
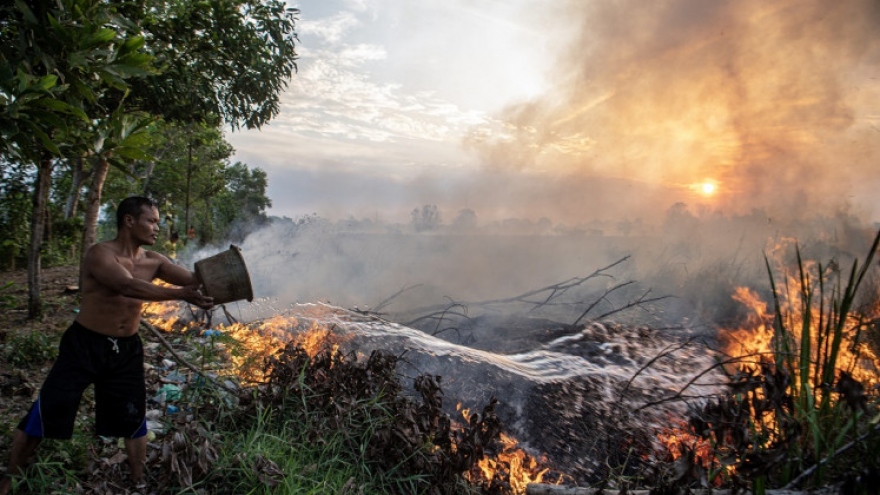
[[174, 377], [168, 392], [156, 426]]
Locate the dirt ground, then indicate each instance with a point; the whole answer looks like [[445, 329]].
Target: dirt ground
[[59, 297], [18, 384]]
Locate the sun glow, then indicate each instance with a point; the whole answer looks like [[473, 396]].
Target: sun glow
[[707, 188]]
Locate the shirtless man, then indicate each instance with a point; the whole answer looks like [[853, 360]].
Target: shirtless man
[[103, 347]]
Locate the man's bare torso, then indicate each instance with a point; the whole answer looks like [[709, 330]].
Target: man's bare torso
[[104, 310]]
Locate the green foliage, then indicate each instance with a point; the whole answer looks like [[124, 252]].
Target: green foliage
[[272, 458], [60, 466], [7, 299], [226, 200], [356, 413], [63, 65], [224, 61], [47, 477], [87, 79], [25, 349], [15, 210]]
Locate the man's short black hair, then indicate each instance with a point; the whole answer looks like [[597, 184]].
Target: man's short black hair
[[133, 206]]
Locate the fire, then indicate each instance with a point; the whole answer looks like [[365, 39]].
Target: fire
[[256, 342], [755, 338], [247, 346], [677, 441], [162, 315], [521, 468], [798, 339], [511, 464]]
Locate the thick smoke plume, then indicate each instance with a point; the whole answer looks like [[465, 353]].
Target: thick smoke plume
[[773, 102]]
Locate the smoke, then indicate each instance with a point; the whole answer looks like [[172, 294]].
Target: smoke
[[775, 103], [772, 103]]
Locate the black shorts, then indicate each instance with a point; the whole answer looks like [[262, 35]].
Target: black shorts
[[114, 365]]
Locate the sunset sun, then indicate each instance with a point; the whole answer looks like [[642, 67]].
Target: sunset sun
[[707, 188]]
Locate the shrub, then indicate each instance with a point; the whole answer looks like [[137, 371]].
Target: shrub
[[29, 348]]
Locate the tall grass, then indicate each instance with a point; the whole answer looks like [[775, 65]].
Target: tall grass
[[817, 336], [804, 413]]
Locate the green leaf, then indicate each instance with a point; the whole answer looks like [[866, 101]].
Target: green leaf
[[24, 98], [47, 82], [46, 140], [134, 43], [132, 153], [49, 118], [102, 36], [112, 80], [63, 107]]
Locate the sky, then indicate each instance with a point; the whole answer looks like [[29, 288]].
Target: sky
[[576, 110]]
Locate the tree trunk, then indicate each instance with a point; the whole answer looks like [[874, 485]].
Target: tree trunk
[[188, 184], [77, 178], [47, 226], [38, 216], [151, 165], [93, 205]]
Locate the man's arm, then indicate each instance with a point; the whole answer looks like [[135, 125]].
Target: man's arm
[[100, 262], [174, 274]]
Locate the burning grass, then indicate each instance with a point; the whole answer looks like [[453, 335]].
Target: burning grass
[[802, 405], [298, 385]]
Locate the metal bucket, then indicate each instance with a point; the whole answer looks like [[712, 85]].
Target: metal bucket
[[225, 276]]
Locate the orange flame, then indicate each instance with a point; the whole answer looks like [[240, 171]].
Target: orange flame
[[512, 464], [247, 346], [679, 440]]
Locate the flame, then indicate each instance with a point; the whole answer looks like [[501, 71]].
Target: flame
[[678, 440], [755, 338], [755, 341], [247, 346], [511, 464], [163, 315], [515, 463]]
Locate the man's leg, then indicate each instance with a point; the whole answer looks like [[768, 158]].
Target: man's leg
[[136, 448], [23, 446]]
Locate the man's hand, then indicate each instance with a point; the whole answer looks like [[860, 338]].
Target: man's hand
[[193, 295]]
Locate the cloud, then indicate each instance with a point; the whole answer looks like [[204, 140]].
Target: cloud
[[771, 100], [328, 30]]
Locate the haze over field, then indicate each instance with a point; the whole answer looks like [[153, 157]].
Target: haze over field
[[577, 111], [694, 136]]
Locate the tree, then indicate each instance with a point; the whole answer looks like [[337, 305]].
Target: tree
[[465, 221], [15, 207], [242, 205], [426, 218], [57, 59], [75, 73], [223, 61], [226, 61]]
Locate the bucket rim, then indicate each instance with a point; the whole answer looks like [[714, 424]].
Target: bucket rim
[[237, 250], [250, 287]]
